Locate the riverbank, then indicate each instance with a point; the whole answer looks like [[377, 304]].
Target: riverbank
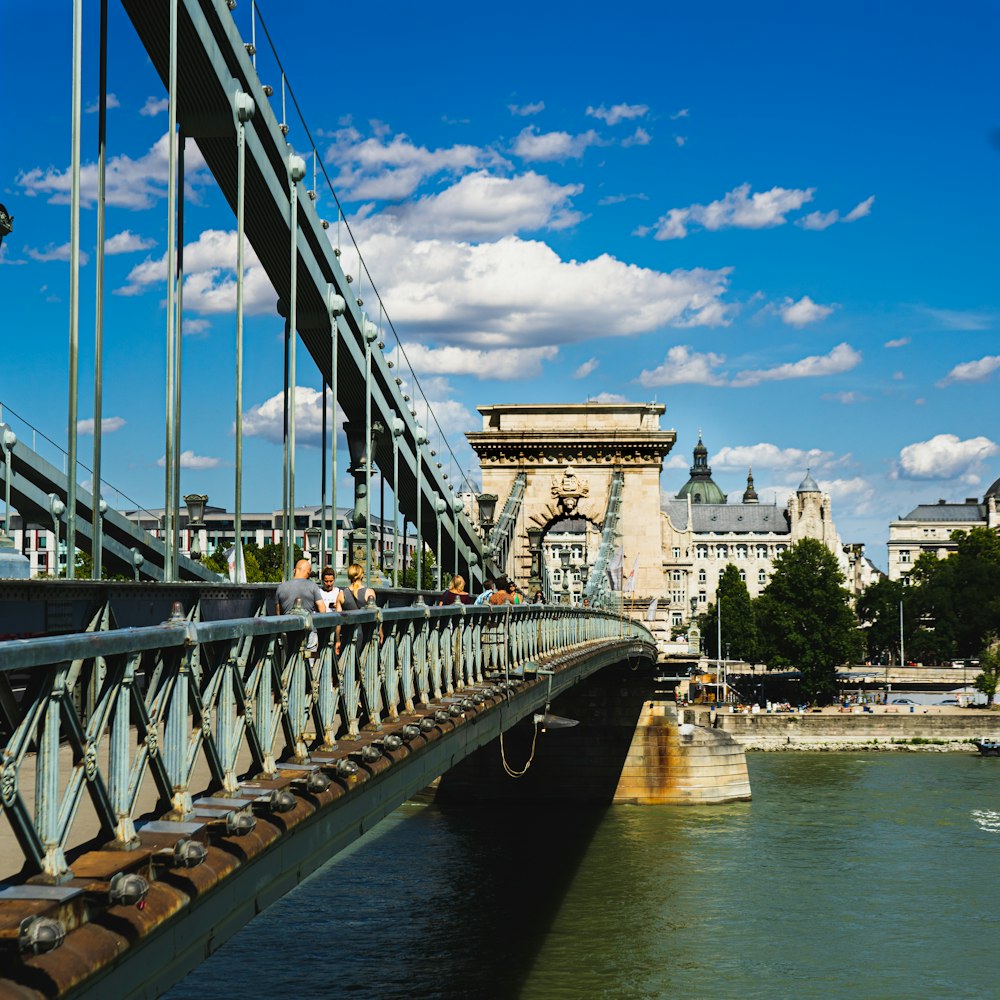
[[931, 730]]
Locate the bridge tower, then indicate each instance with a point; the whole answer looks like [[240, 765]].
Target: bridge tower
[[561, 460]]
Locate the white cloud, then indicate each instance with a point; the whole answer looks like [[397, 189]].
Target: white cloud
[[108, 425], [209, 277], [267, 420], [683, 113], [189, 460], [617, 199], [945, 456], [154, 106], [823, 220], [803, 312], [640, 137], [841, 359], [112, 102], [194, 327], [52, 252], [134, 184], [538, 146], [680, 140], [972, 371], [860, 210], [738, 209], [506, 365], [682, 366], [587, 368], [524, 110], [482, 206], [520, 293], [127, 242], [898, 342], [608, 397], [384, 168], [618, 112], [769, 456]]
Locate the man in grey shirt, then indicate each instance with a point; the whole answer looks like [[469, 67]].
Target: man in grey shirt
[[302, 588]]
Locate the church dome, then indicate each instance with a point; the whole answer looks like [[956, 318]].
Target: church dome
[[808, 485], [700, 487], [993, 491], [750, 494]]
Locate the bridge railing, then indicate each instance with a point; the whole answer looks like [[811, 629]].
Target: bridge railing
[[163, 698]]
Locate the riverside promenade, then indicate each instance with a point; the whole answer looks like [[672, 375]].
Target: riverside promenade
[[883, 727]]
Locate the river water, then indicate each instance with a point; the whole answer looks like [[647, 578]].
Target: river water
[[847, 876]]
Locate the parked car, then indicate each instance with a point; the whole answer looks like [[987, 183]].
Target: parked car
[[902, 701], [953, 702]]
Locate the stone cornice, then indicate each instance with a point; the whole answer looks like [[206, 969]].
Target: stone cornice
[[581, 448]]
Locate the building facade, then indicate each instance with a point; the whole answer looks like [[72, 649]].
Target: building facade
[[930, 527]]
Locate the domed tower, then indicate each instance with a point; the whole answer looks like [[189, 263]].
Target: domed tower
[[700, 487], [750, 494], [810, 513]]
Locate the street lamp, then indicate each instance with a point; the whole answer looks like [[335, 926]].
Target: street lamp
[[535, 548], [312, 541], [56, 509], [8, 439], [440, 506], [487, 509], [457, 506], [137, 560], [398, 427], [97, 556], [564, 561], [195, 503]]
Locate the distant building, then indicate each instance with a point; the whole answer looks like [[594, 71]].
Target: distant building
[[703, 534], [930, 528]]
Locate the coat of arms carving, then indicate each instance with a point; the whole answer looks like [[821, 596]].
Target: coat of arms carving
[[569, 490]]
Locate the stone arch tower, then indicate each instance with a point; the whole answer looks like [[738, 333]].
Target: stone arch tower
[[568, 452]]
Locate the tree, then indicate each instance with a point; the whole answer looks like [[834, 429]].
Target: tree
[[409, 577], [270, 560], [218, 562], [957, 599], [739, 622], [989, 659], [878, 610], [805, 618]]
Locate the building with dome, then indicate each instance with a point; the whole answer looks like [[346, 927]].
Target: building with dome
[[702, 534], [930, 527]]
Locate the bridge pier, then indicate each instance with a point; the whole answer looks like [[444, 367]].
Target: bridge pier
[[629, 748]]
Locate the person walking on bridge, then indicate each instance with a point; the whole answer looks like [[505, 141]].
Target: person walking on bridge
[[301, 588]]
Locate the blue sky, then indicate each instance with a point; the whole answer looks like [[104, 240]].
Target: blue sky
[[777, 220]]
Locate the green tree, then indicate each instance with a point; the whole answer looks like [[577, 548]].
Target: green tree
[[989, 660], [270, 559], [878, 611], [957, 600], [739, 621], [805, 619], [409, 576], [218, 563]]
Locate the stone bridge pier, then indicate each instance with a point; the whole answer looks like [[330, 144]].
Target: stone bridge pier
[[629, 748]]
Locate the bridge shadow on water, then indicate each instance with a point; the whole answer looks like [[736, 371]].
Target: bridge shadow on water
[[439, 901]]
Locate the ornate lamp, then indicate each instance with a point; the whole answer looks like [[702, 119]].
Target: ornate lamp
[[535, 548], [195, 503]]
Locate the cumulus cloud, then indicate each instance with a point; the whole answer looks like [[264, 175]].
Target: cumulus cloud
[[682, 365], [112, 102], [525, 110], [127, 242], [482, 206], [521, 293], [608, 397], [640, 137], [841, 359], [803, 312], [683, 113], [587, 368], [738, 209], [505, 365], [189, 460], [209, 276], [847, 398], [133, 184], [618, 112], [898, 342], [108, 425], [267, 420], [536, 146], [154, 106], [972, 371], [381, 167], [945, 456]]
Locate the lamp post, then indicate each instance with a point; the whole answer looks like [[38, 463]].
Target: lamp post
[[137, 561], [487, 509], [564, 561], [312, 541], [195, 503], [56, 509], [355, 435], [97, 554], [420, 439], [440, 506], [535, 547], [457, 506], [398, 427], [8, 439]]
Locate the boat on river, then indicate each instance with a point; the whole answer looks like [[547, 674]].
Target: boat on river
[[988, 748]]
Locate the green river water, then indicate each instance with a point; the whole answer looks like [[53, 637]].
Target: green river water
[[848, 875]]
